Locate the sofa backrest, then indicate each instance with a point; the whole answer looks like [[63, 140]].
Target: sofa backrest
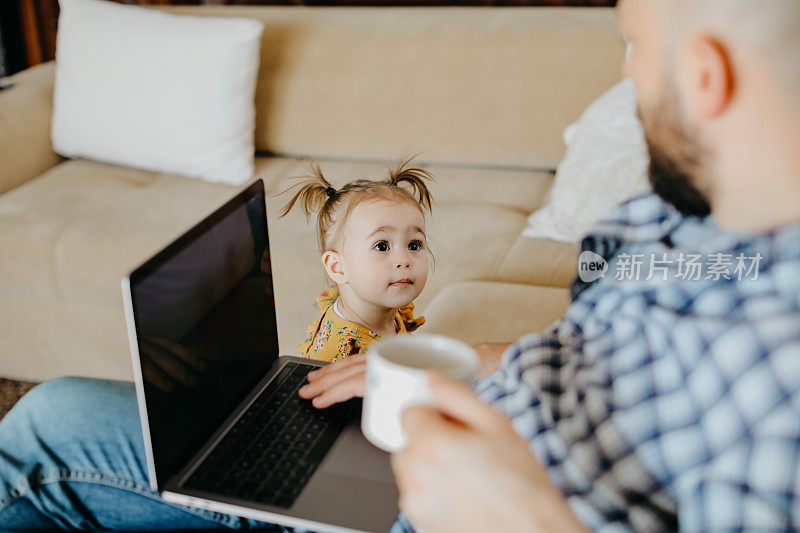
[[483, 86]]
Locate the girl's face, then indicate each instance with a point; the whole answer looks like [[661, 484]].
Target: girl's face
[[384, 257]]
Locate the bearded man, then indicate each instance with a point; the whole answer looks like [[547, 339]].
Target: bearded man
[[668, 401]]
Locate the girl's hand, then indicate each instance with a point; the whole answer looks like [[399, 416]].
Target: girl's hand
[[337, 382]]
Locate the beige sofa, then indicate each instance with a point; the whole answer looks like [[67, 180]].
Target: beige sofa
[[484, 93]]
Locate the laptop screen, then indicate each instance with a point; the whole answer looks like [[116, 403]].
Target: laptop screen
[[205, 325]]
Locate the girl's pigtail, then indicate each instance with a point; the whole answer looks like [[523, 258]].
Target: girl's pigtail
[[312, 195], [415, 177]]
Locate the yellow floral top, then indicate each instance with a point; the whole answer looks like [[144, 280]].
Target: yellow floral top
[[332, 337]]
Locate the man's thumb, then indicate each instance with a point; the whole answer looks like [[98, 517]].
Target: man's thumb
[[459, 402]]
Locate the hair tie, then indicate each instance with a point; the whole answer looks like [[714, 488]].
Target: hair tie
[[331, 191]]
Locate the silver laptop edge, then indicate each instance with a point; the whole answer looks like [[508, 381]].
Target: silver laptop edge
[[138, 380], [255, 514]]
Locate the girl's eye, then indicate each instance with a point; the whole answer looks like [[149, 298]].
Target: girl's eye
[[415, 246], [382, 246]]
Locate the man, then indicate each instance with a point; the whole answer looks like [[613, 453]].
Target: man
[[665, 402], [655, 403]]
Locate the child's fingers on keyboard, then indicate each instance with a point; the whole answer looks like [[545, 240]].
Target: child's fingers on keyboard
[[341, 392], [338, 365], [352, 374]]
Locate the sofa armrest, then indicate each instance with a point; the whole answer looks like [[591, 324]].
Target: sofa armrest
[[488, 311], [25, 111]]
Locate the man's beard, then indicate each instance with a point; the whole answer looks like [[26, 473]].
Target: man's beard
[[676, 158]]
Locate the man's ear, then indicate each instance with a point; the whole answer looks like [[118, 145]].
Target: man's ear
[[332, 263], [711, 81]]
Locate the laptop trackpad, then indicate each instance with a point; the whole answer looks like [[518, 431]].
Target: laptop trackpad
[[353, 487], [353, 455], [348, 501]]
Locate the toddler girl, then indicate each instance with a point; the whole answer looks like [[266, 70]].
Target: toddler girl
[[372, 237]]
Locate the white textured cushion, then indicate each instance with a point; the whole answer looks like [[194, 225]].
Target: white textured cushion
[[157, 91], [606, 163]]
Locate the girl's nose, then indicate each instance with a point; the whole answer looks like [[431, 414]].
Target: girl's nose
[[402, 259]]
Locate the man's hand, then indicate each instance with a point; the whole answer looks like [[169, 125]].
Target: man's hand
[[490, 353], [466, 469], [337, 382]]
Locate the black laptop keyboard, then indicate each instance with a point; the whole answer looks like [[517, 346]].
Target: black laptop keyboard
[[271, 452]]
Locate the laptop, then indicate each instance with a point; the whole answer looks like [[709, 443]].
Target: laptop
[[223, 426]]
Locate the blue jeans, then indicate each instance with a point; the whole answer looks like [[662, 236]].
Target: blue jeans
[[72, 457]]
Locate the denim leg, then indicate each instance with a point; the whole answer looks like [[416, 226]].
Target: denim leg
[[72, 456], [402, 525]]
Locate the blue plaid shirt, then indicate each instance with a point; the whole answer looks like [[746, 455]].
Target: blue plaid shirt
[[671, 401]]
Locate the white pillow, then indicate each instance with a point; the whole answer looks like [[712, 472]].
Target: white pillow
[[157, 91], [606, 163]]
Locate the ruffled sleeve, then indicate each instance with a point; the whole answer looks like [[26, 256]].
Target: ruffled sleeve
[[325, 299], [407, 316]]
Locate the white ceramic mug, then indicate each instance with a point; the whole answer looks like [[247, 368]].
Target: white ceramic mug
[[397, 378]]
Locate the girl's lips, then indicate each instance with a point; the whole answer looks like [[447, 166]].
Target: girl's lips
[[402, 283]]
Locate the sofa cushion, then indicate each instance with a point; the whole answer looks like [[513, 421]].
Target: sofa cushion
[[467, 85], [606, 163], [43, 338], [156, 91], [516, 189], [539, 262], [484, 311], [74, 231]]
